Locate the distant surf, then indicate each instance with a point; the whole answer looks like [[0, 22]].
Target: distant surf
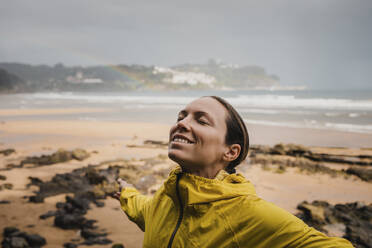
[[336, 110]]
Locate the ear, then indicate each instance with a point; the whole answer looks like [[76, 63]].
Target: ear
[[232, 152]]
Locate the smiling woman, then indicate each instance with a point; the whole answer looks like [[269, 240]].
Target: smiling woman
[[199, 142], [204, 203]]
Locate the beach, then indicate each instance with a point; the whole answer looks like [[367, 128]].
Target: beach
[[124, 140]]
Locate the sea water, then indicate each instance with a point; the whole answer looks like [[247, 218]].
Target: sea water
[[336, 110]]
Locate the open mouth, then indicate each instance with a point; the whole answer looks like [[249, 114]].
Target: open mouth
[[181, 139]]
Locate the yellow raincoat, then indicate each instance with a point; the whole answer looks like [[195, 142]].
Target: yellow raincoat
[[193, 211]]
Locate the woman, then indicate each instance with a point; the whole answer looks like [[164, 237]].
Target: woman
[[204, 203]]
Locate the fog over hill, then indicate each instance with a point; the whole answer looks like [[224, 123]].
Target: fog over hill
[[211, 75]]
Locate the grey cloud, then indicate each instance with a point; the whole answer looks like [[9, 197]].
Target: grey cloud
[[318, 42]]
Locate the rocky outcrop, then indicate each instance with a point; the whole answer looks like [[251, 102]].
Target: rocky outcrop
[[59, 156], [150, 144], [77, 181], [71, 213], [281, 156], [355, 220], [89, 185], [305, 152], [7, 152], [364, 174], [281, 162], [14, 238]]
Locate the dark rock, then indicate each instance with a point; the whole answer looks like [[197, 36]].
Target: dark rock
[[364, 174], [155, 142], [70, 245], [290, 150], [9, 230], [7, 152], [59, 156], [69, 221], [359, 236], [18, 234], [8, 186], [80, 154], [117, 246], [97, 241], [303, 164], [353, 160], [99, 204], [48, 214], [35, 240], [36, 198], [18, 242], [94, 176], [11, 166], [304, 152], [279, 149], [316, 213], [34, 181], [13, 238], [81, 182], [89, 233], [357, 217], [80, 203], [2, 177]]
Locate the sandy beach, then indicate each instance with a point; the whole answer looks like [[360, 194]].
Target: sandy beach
[[113, 141]]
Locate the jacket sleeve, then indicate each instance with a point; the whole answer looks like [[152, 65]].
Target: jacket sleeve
[[135, 205], [271, 226]]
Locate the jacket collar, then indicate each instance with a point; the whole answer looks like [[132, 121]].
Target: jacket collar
[[195, 189]]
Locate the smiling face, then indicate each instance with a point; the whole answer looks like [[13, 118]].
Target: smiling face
[[197, 139]]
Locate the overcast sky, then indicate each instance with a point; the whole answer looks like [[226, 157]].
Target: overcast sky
[[319, 43]]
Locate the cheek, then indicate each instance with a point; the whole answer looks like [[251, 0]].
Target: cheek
[[214, 141], [172, 130]]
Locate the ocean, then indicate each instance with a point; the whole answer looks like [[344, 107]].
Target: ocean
[[334, 110]]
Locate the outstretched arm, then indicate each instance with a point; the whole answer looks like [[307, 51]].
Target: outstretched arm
[[133, 203], [267, 225]]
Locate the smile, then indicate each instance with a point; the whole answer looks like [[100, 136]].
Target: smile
[[181, 139]]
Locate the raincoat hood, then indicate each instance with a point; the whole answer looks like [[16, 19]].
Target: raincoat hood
[[196, 189]]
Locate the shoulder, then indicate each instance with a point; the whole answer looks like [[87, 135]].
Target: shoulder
[[251, 210]]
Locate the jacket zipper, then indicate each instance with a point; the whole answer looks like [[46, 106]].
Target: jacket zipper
[[181, 212]]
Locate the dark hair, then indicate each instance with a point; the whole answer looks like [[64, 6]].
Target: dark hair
[[236, 133]]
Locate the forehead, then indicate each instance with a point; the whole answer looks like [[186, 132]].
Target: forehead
[[210, 106]]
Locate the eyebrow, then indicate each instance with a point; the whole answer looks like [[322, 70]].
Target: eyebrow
[[198, 113]]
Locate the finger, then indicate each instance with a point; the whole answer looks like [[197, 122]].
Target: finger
[[120, 182], [116, 195]]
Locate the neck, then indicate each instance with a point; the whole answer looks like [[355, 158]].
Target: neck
[[209, 172]]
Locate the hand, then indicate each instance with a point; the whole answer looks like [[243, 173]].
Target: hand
[[122, 184]]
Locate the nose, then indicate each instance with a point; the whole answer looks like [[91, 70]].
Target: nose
[[184, 124]]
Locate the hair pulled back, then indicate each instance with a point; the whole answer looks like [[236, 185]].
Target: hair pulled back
[[236, 133]]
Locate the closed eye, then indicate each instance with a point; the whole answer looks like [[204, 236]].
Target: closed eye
[[203, 122], [180, 118]]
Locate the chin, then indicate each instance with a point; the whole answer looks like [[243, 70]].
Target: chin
[[177, 158], [173, 156]]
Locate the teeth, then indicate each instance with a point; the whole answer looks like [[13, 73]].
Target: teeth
[[182, 140]]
